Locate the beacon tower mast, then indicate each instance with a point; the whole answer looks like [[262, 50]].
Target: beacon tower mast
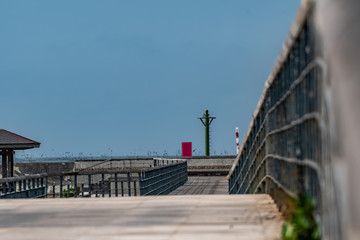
[[206, 120]]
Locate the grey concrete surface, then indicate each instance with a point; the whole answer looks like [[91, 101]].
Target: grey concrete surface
[[201, 185], [164, 217], [192, 162]]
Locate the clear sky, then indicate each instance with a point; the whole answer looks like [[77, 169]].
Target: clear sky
[[122, 78]]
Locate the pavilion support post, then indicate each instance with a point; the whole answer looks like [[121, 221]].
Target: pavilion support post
[[8, 143], [4, 164], [10, 163]]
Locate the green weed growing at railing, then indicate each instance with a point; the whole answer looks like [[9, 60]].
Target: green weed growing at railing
[[71, 192], [302, 224]]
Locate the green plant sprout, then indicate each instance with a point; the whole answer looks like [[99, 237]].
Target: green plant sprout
[[71, 192], [302, 224]]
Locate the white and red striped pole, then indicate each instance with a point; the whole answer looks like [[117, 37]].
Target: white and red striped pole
[[237, 141]]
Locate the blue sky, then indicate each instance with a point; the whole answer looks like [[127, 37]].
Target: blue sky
[[125, 78]]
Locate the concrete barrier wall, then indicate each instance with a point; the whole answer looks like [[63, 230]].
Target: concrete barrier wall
[[209, 165], [199, 162], [21, 169], [114, 163], [195, 162], [216, 161]]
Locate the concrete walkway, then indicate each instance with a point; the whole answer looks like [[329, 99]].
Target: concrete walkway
[[164, 217], [200, 185]]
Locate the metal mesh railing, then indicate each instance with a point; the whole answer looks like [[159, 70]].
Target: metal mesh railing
[[164, 175], [282, 152], [31, 186], [161, 178], [286, 150]]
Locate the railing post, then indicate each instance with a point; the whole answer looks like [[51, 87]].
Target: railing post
[[61, 186], [103, 185], [75, 186], [129, 185], [37, 187], [82, 190], [46, 186], [139, 177], [24, 184], [33, 186], [96, 189], [4, 188], [122, 188], [9, 188], [89, 184], [116, 186]]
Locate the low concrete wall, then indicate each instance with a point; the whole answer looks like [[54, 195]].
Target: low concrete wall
[[22, 168], [211, 161], [199, 165], [201, 162], [114, 163], [195, 164]]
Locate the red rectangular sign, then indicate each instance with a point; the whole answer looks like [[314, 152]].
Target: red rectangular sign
[[186, 149]]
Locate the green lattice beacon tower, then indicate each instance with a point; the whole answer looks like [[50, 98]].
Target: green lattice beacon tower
[[206, 120]]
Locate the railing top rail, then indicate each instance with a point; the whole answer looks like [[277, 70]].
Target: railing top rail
[[305, 7], [21, 178]]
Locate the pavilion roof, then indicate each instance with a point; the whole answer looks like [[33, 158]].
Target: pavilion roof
[[9, 140]]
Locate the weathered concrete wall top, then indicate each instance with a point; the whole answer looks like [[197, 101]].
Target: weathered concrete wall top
[[42, 167], [208, 161], [223, 162], [114, 163]]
